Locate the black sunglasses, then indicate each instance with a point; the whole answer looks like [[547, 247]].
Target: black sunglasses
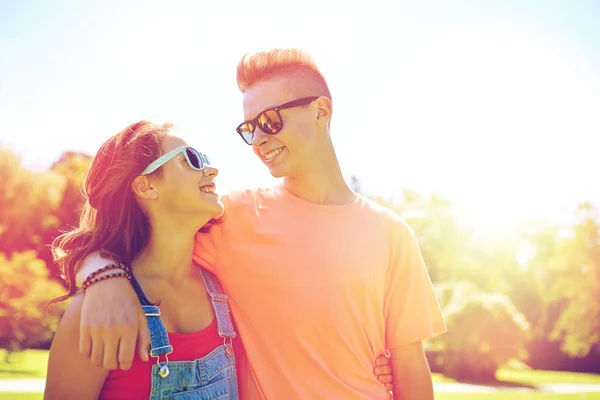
[[269, 121]]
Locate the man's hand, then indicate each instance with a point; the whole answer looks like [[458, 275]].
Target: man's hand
[[383, 371], [112, 320]]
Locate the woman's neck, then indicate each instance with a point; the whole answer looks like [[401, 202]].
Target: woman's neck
[[168, 254]]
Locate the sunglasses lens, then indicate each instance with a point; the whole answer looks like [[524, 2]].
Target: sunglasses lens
[[195, 158], [246, 132], [269, 122]]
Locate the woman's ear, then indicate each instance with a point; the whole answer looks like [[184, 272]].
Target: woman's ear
[[142, 187]]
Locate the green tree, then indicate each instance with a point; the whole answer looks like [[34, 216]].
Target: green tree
[[578, 285], [36, 207], [27, 204], [25, 291], [559, 286], [71, 166], [485, 331], [450, 250]]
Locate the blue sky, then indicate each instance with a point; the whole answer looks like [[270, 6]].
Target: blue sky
[[493, 104]]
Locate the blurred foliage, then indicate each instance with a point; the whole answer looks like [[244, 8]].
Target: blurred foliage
[[25, 320], [485, 331], [34, 209], [577, 284]]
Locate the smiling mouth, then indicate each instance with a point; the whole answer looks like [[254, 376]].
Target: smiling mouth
[[208, 189], [272, 154]]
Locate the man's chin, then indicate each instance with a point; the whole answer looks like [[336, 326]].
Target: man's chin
[[277, 172]]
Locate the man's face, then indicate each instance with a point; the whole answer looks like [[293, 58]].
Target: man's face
[[286, 153]]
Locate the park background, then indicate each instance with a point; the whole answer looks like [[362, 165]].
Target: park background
[[478, 122]]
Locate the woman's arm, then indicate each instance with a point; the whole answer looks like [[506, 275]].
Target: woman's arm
[[71, 375]]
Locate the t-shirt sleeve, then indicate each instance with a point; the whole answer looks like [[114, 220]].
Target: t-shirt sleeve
[[206, 244], [205, 249], [412, 310]]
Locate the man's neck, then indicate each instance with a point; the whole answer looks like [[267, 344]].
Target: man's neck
[[322, 184]]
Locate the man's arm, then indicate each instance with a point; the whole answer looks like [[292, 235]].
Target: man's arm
[[412, 376], [412, 316], [112, 320]]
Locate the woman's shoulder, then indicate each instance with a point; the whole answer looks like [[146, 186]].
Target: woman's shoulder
[[72, 316]]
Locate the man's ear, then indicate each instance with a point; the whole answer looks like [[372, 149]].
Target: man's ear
[[324, 110], [142, 187]]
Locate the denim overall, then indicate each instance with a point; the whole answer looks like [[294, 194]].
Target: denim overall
[[210, 377]]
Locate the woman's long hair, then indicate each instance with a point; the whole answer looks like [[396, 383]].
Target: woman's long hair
[[112, 221]]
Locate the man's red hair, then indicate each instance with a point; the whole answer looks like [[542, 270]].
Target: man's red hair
[[294, 63]]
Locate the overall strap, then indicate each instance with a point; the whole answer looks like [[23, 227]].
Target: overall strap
[[220, 304], [159, 339], [139, 291]]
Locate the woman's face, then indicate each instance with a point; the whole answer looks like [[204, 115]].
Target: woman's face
[[183, 190]]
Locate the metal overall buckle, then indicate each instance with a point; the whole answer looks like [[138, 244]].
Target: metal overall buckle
[[163, 370], [228, 346]]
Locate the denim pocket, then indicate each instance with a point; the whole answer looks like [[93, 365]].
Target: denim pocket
[[218, 390]]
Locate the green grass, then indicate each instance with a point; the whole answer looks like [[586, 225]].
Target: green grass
[[32, 364], [27, 364], [437, 378], [513, 395], [21, 396], [536, 377]]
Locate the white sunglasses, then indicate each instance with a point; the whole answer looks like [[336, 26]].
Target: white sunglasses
[[194, 158]]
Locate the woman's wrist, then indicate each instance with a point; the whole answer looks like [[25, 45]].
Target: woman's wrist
[[89, 265], [115, 270]]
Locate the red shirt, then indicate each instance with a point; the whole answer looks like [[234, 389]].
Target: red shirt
[[136, 382]]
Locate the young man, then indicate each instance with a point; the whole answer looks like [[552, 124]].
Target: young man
[[320, 279]]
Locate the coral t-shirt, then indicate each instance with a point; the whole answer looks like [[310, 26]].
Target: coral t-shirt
[[318, 291]]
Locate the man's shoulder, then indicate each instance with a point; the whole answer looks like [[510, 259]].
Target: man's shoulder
[[246, 196], [242, 203], [387, 216]]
